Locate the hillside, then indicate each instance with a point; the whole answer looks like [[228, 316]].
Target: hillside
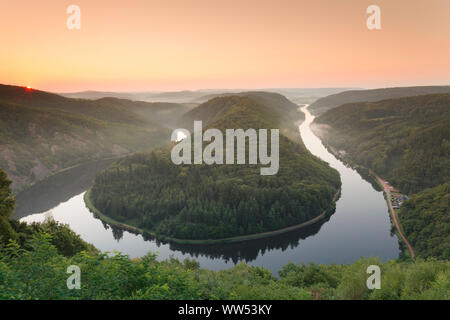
[[405, 140], [285, 111], [332, 101], [200, 202], [425, 219], [162, 113], [41, 133]]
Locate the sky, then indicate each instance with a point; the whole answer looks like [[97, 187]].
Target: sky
[[145, 45]]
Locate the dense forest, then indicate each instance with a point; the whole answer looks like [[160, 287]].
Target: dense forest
[[324, 104], [405, 140], [218, 201], [41, 133], [425, 219]]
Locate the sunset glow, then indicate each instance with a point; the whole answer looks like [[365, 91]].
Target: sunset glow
[[172, 45]]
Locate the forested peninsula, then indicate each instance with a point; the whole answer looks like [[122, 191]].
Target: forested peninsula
[[204, 202]]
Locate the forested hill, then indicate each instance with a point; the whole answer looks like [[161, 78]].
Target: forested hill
[[352, 96], [41, 132], [425, 219], [275, 101], [405, 140], [282, 113], [217, 201]]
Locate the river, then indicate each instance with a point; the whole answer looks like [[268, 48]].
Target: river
[[359, 227]]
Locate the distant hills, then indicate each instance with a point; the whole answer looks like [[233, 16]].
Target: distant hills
[[296, 95], [332, 101], [185, 96], [41, 132]]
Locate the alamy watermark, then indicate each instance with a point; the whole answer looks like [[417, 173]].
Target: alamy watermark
[[213, 152], [74, 20], [374, 20], [374, 281], [74, 281]]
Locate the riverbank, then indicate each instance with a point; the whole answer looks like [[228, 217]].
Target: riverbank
[[387, 193], [254, 236], [375, 179], [31, 184]]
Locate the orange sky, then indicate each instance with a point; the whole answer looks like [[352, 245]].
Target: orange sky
[[137, 45]]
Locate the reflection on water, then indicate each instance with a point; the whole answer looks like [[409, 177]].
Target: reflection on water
[[359, 227], [250, 250], [60, 187]]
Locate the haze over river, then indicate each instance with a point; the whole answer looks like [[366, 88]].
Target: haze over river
[[359, 227]]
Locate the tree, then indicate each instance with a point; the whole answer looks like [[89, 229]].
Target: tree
[[7, 204]]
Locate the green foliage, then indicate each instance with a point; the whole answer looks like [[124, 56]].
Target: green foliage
[[6, 231], [425, 219], [67, 242], [39, 272], [63, 238], [218, 201], [406, 141], [7, 204]]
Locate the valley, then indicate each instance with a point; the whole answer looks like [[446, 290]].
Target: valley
[[349, 232]]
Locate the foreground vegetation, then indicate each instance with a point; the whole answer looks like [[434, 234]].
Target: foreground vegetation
[[40, 273], [204, 202]]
